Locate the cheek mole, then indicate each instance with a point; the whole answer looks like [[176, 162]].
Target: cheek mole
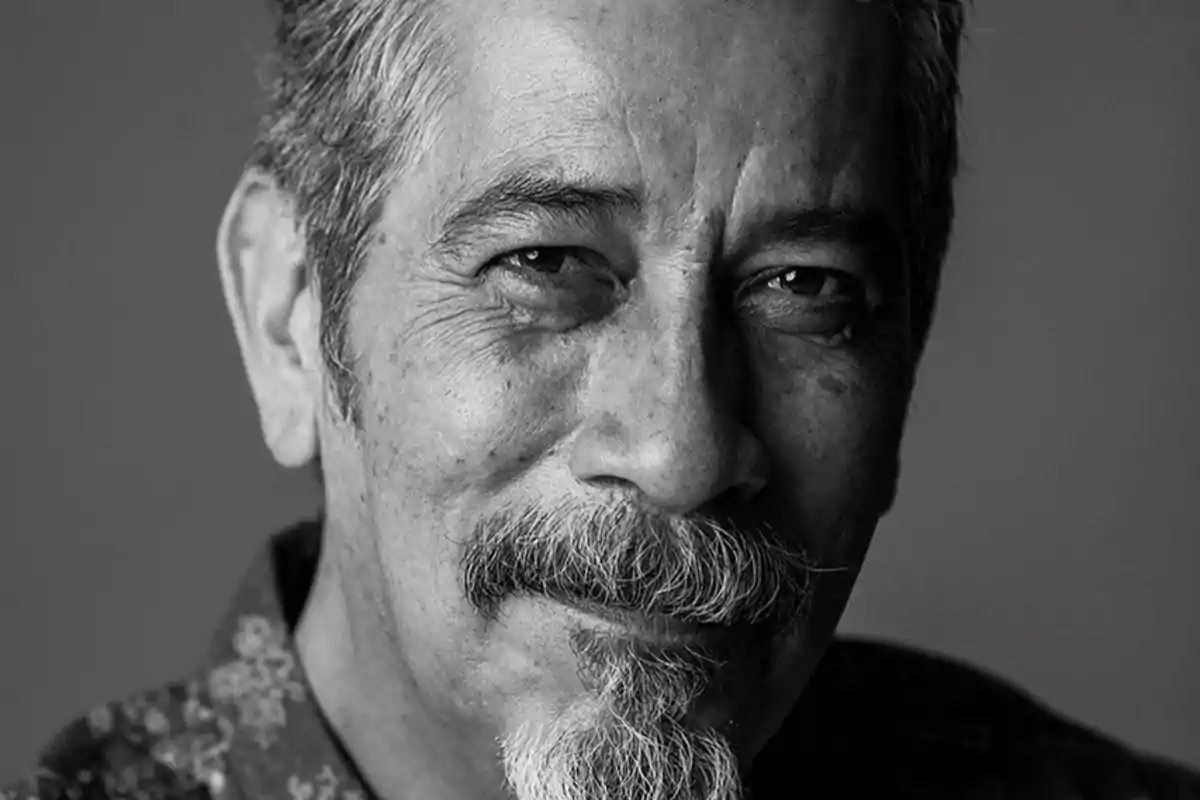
[[832, 385]]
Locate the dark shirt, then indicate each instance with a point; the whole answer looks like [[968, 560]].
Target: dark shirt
[[876, 721]]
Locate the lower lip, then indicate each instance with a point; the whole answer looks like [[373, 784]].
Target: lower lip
[[652, 627]]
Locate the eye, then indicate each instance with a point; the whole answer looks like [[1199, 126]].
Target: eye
[[548, 260], [544, 265], [819, 302], [819, 283], [562, 283]]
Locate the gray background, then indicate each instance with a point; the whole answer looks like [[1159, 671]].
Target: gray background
[[1047, 522]]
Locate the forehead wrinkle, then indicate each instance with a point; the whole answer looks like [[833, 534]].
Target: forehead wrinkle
[[587, 84]]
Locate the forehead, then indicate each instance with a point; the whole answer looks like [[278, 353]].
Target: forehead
[[702, 104]]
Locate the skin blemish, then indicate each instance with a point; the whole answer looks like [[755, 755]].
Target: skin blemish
[[832, 385]]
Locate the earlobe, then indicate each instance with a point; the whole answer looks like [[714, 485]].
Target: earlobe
[[275, 313]]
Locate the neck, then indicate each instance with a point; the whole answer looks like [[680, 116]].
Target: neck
[[402, 744]]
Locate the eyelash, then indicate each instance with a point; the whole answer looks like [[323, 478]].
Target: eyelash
[[856, 306]]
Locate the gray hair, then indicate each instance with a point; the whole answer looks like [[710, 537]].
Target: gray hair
[[353, 84], [350, 86]]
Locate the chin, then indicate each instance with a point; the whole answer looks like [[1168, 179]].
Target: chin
[[663, 706]]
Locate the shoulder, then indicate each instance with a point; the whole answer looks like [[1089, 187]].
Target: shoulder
[[878, 716], [163, 744]]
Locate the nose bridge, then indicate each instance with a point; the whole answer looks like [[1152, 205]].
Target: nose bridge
[[671, 380], [664, 411]]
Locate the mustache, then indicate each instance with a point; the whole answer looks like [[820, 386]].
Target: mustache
[[623, 557]]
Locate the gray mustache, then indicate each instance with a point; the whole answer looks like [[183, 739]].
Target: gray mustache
[[621, 557]]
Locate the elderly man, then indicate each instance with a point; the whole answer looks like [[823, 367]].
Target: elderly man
[[600, 319]]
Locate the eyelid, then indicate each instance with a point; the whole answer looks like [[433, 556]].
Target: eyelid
[[832, 255], [531, 229]]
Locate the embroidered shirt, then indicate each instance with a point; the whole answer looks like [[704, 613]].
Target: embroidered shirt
[[876, 720]]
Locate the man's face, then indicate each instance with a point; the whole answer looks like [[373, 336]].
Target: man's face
[[681, 329]]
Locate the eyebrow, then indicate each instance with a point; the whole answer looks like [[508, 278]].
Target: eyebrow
[[535, 194], [858, 228], [530, 194]]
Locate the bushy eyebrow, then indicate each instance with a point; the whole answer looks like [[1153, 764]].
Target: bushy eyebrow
[[529, 194]]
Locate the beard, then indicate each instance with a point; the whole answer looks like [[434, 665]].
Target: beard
[[629, 736], [628, 740]]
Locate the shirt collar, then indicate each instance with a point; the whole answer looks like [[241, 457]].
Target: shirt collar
[[279, 742]]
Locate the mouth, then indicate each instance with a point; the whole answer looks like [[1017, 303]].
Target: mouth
[[657, 628]]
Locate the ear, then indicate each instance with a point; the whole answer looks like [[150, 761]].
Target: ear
[[275, 312]]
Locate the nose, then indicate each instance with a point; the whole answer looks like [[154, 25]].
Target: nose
[[663, 416]]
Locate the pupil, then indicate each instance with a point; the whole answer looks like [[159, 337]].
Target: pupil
[[541, 258], [806, 281]]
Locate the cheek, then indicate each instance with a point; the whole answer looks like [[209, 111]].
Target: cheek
[[468, 410], [831, 430]]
